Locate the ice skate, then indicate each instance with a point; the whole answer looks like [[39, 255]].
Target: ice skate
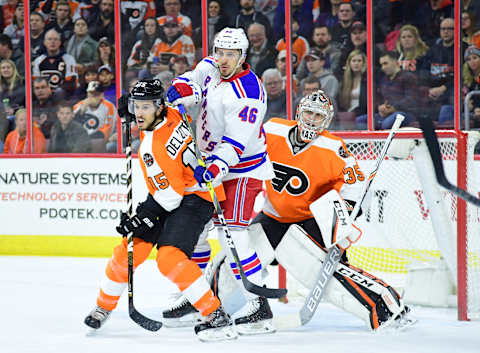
[[257, 319], [216, 327], [181, 314], [97, 317]]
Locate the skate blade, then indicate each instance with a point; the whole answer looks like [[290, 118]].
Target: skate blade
[[219, 334], [257, 328], [186, 321]]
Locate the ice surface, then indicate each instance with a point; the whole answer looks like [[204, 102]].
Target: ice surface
[[43, 302]]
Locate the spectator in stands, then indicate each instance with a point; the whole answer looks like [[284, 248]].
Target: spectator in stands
[[281, 66], [217, 20], [105, 77], [276, 102], [341, 31], [353, 95], [15, 30], [396, 93], [142, 48], [155, 65], [358, 41], [103, 25], [90, 74], [315, 61], [105, 53], [329, 15], [469, 26], [322, 40], [471, 82], [302, 12], [67, 135], [261, 54], [81, 46], [62, 22], [173, 42], [12, 85], [7, 13], [428, 17], [44, 105], [137, 12], [96, 113], [247, 15], [179, 65], [89, 10], [411, 47], [57, 65], [37, 32], [267, 7], [7, 51], [300, 45], [172, 9], [15, 141], [308, 86], [437, 72]]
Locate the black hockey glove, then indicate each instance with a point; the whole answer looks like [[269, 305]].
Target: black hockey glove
[[123, 108], [139, 224]]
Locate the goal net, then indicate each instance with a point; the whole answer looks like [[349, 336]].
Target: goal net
[[418, 237]]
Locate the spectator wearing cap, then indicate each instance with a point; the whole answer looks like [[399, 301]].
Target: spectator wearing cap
[[142, 48], [277, 98], [302, 11], [341, 31], [261, 55], [105, 53], [7, 51], [315, 62], [281, 66], [247, 15], [179, 65], [322, 40], [62, 22], [172, 9], [15, 30], [103, 25], [172, 41], [57, 65], [81, 46], [68, 135], [358, 41], [96, 114], [15, 141], [300, 45], [105, 77]]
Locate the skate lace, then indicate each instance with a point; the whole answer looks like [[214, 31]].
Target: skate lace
[[100, 313], [179, 303], [253, 306]]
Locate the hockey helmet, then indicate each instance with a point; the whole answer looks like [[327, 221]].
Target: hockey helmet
[[231, 38], [314, 114], [147, 90]]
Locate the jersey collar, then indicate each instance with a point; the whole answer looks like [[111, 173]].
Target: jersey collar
[[244, 72]]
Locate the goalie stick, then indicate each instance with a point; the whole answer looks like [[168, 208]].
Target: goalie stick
[[334, 254], [249, 286], [140, 319], [434, 149]]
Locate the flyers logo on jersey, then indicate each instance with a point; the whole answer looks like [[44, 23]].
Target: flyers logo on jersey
[[288, 178], [148, 159]]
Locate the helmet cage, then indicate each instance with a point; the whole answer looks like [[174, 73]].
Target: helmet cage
[[317, 103]]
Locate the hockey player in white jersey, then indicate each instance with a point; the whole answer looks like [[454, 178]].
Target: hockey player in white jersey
[[229, 130]]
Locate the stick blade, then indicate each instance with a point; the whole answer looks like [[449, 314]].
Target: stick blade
[[145, 322], [264, 291]]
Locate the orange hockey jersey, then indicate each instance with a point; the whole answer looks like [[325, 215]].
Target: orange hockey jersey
[[301, 177], [167, 159]]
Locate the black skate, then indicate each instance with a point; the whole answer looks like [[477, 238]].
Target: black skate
[[258, 318], [181, 314], [97, 317], [216, 327]]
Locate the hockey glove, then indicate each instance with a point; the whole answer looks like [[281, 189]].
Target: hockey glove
[[139, 224], [214, 170], [186, 93], [123, 108]]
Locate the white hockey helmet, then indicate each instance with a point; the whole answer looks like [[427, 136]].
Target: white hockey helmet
[[314, 114], [231, 38]]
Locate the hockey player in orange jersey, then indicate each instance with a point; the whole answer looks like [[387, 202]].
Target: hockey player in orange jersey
[[167, 160], [309, 162]]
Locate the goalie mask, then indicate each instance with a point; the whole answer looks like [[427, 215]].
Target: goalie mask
[[314, 114], [232, 38]]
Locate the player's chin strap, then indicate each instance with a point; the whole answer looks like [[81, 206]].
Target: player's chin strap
[[249, 286], [335, 252]]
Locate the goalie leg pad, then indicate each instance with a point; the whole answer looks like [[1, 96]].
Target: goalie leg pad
[[259, 242], [350, 289]]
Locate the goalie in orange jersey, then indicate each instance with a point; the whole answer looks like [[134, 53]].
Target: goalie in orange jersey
[[167, 159]]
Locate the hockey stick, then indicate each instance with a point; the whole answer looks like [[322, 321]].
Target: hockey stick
[[141, 320], [249, 286], [434, 148], [334, 254]]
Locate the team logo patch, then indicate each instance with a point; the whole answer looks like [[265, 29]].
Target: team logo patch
[[293, 180], [342, 152], [148, 159]]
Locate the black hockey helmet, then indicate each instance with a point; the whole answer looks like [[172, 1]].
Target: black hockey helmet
[[147, 90]]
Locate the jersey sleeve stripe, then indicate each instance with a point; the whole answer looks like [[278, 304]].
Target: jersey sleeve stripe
[[248, 166], [235, 90], [210, 61], [239, 148]]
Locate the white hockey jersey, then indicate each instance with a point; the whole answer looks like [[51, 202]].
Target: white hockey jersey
[[230, 122]]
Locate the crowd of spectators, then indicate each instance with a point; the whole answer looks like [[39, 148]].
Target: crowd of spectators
[[73, 60]]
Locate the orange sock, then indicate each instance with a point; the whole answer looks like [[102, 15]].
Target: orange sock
[[185, 273]]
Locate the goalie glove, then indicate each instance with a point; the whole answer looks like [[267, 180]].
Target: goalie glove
[[184, 92], [214, 170]]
